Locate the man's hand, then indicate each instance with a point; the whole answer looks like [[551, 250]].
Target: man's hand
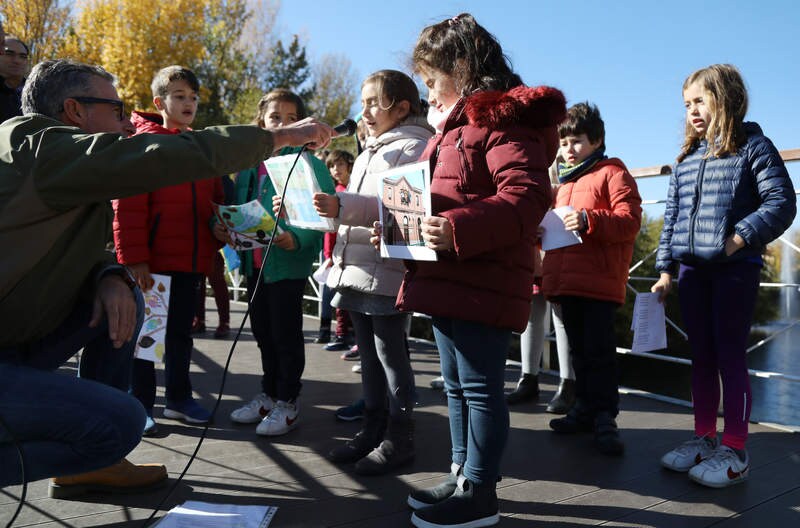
[[308, 131], [326, 205], [141, 272], [221, 233], [733, 244], [662, 286], [115, 299], [285, 241], [573, 221], [437, 233]]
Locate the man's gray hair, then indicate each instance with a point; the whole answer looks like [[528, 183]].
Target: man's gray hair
[[51, 82]]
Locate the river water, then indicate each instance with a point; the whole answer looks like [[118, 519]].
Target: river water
[[776, 400]]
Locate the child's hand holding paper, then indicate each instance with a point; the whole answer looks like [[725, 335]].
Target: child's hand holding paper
[[554, 234]]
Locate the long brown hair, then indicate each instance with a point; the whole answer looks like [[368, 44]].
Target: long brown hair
[[465, 50], [725, 96]]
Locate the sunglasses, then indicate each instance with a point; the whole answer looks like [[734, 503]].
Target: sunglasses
[[119, 106]]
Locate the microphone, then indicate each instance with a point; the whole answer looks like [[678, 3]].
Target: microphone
[[346, 128]]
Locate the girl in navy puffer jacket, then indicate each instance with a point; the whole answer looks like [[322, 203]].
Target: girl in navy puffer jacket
[[729, 196]]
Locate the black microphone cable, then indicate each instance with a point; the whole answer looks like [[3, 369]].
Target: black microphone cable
[[21, 455], [233, 346]]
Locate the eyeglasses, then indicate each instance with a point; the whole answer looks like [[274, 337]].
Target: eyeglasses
[[119, 106], [11, 53]]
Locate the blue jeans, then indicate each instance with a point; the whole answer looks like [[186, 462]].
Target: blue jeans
[[473, 358], [67, 425], [183, 292]]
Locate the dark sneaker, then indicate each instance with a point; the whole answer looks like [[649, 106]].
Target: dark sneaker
[[338, 343], [352, 412], [470, 506], [573, 422], [606, 435], [222, 331], [188, 411], [324, 336]]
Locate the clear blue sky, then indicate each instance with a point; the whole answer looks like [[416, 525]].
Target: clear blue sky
[[628, 57]]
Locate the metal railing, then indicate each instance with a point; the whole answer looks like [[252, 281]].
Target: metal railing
[[792, 155]]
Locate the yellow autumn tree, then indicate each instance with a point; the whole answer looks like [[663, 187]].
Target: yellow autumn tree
[[41, 24], [133, 39]]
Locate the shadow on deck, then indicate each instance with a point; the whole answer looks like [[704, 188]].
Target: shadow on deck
[[548, 480]]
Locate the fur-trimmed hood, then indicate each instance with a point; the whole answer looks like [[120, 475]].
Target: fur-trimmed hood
[[538, 106]]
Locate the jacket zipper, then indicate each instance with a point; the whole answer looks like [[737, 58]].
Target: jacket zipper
[[701, 172], [195, 249], [462, 158]]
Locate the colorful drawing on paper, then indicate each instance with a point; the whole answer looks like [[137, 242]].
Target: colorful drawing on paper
[[303, 184], [249, 224], [151, 340], [405, 201]]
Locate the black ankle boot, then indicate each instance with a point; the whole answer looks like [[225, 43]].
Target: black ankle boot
[[471, 504], [606, 435], [365, 440], [397, 449], [429, 496], [564, 397], [527, 390]]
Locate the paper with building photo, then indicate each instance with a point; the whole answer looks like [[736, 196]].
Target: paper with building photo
[[150, 342], [405, 199], [303, 184], [196, 514], [649, 323], [554, 234], [249, 224]]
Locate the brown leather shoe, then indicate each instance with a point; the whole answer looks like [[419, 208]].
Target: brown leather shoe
[[122, 477]]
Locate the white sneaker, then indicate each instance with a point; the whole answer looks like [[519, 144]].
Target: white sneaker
[[437, 383], [281, 419], [255, 411], [357, 368], [689, 454], [723, 468]]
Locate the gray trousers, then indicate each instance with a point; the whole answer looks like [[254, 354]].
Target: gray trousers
[[385, 366]]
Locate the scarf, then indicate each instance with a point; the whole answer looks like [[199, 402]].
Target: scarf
[[437, 119], [573, 172]]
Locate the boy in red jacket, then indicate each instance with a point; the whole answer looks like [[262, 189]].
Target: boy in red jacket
[[588, 279], [168, 231]]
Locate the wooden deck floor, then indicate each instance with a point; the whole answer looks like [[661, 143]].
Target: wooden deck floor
[[548, 480]]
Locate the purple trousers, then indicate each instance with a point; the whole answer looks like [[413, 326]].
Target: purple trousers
[[717, 302]]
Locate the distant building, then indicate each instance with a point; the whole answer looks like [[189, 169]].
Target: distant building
[[403, 211]]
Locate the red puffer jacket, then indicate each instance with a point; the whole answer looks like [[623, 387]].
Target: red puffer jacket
[[490, 181], [598, 268], [168, 228]]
